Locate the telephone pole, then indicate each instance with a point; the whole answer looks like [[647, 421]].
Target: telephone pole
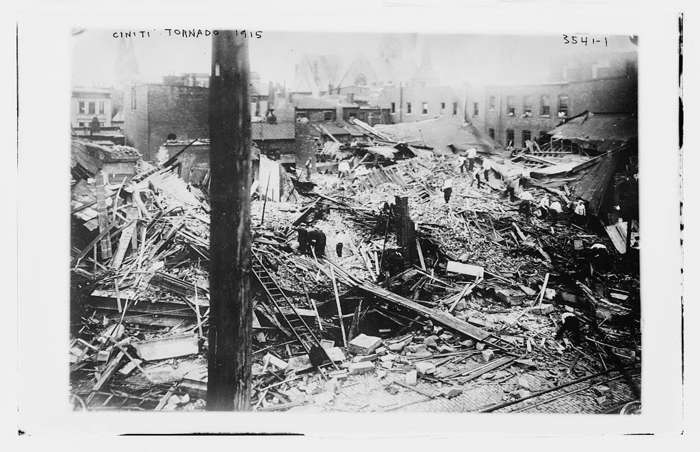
[[230, 318]]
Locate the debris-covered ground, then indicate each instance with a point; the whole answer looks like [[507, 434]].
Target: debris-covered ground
[[482, 308]]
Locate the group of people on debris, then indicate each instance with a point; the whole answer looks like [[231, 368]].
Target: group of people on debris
[[312, 242], [551, 208]]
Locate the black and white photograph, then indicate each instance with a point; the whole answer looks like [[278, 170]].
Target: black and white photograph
[[354, 222], [391, 222]]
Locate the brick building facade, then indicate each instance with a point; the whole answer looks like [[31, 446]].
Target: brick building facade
[[417, 103], [154, 112], [519, 112], [89, 103]]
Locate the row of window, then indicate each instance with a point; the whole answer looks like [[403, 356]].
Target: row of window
[[87, 124], [89, 107], [527, 105], [510, 136], [424, 108]]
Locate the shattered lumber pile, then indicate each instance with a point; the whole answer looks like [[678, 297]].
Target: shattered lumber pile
[[374, 325]]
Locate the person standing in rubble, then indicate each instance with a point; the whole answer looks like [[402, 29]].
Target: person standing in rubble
[[471, 157], [543, 206], [476, 178], [461, 163], [580, 212], [599, 258], [525, 207], [570, 327], [555, 209], [447, 189], [307, 165], [317, 239], [486, 167], [512, 184], [339, 238], [344, 168], [303, 237]]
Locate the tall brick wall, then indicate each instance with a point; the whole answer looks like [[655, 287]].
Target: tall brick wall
[[617, 94], [181, 110], [434, 96], [136, 118]]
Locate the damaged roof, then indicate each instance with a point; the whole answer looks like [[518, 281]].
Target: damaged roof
[[590, 126]]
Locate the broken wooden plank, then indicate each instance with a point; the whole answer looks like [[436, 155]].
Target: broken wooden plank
[[476, 271], [167, 347], [105, 376]]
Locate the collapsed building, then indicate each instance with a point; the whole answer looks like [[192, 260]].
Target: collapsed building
[[373, 290]]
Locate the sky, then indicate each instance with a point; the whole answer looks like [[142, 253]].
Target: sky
[[456, 59]]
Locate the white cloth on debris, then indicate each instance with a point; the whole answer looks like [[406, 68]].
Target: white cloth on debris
[[556, 206], [486, 164], [580, 209], [344, 167], [471, 153], [447, 184], [460, 160], [544, 202]]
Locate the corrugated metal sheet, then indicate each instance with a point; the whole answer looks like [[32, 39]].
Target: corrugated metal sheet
[[589, 126]]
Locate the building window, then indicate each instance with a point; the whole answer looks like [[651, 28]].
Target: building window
[[476, 109], [510, 137], [408, 108], [543, 135], [133, 98], [101, 107], [81, 124], [492, 134], [527, 106], [563, 110], [91, 108], [393, 107], [442, 107], [492, 102], [544, 105], [526, 136], [424, 108], [81, 107], [328, 116], [454, 108], [510, 106]]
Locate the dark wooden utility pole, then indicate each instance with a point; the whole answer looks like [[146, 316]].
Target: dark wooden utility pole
[[230, 318]]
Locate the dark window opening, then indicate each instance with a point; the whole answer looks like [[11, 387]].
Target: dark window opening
[[442, 107], [328, 116], [476, 109], [91, 108], [563, 110], [424, 108], [526, 136], [393, 107], [492, 134], [510, 137], [544, 105], [454, 108], [171, 137], [510, 106], [101, 108], [408, 108], [492, 102], [527, 106], [81, 107]]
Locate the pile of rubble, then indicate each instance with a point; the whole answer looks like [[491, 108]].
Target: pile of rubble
[[471, 305]]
